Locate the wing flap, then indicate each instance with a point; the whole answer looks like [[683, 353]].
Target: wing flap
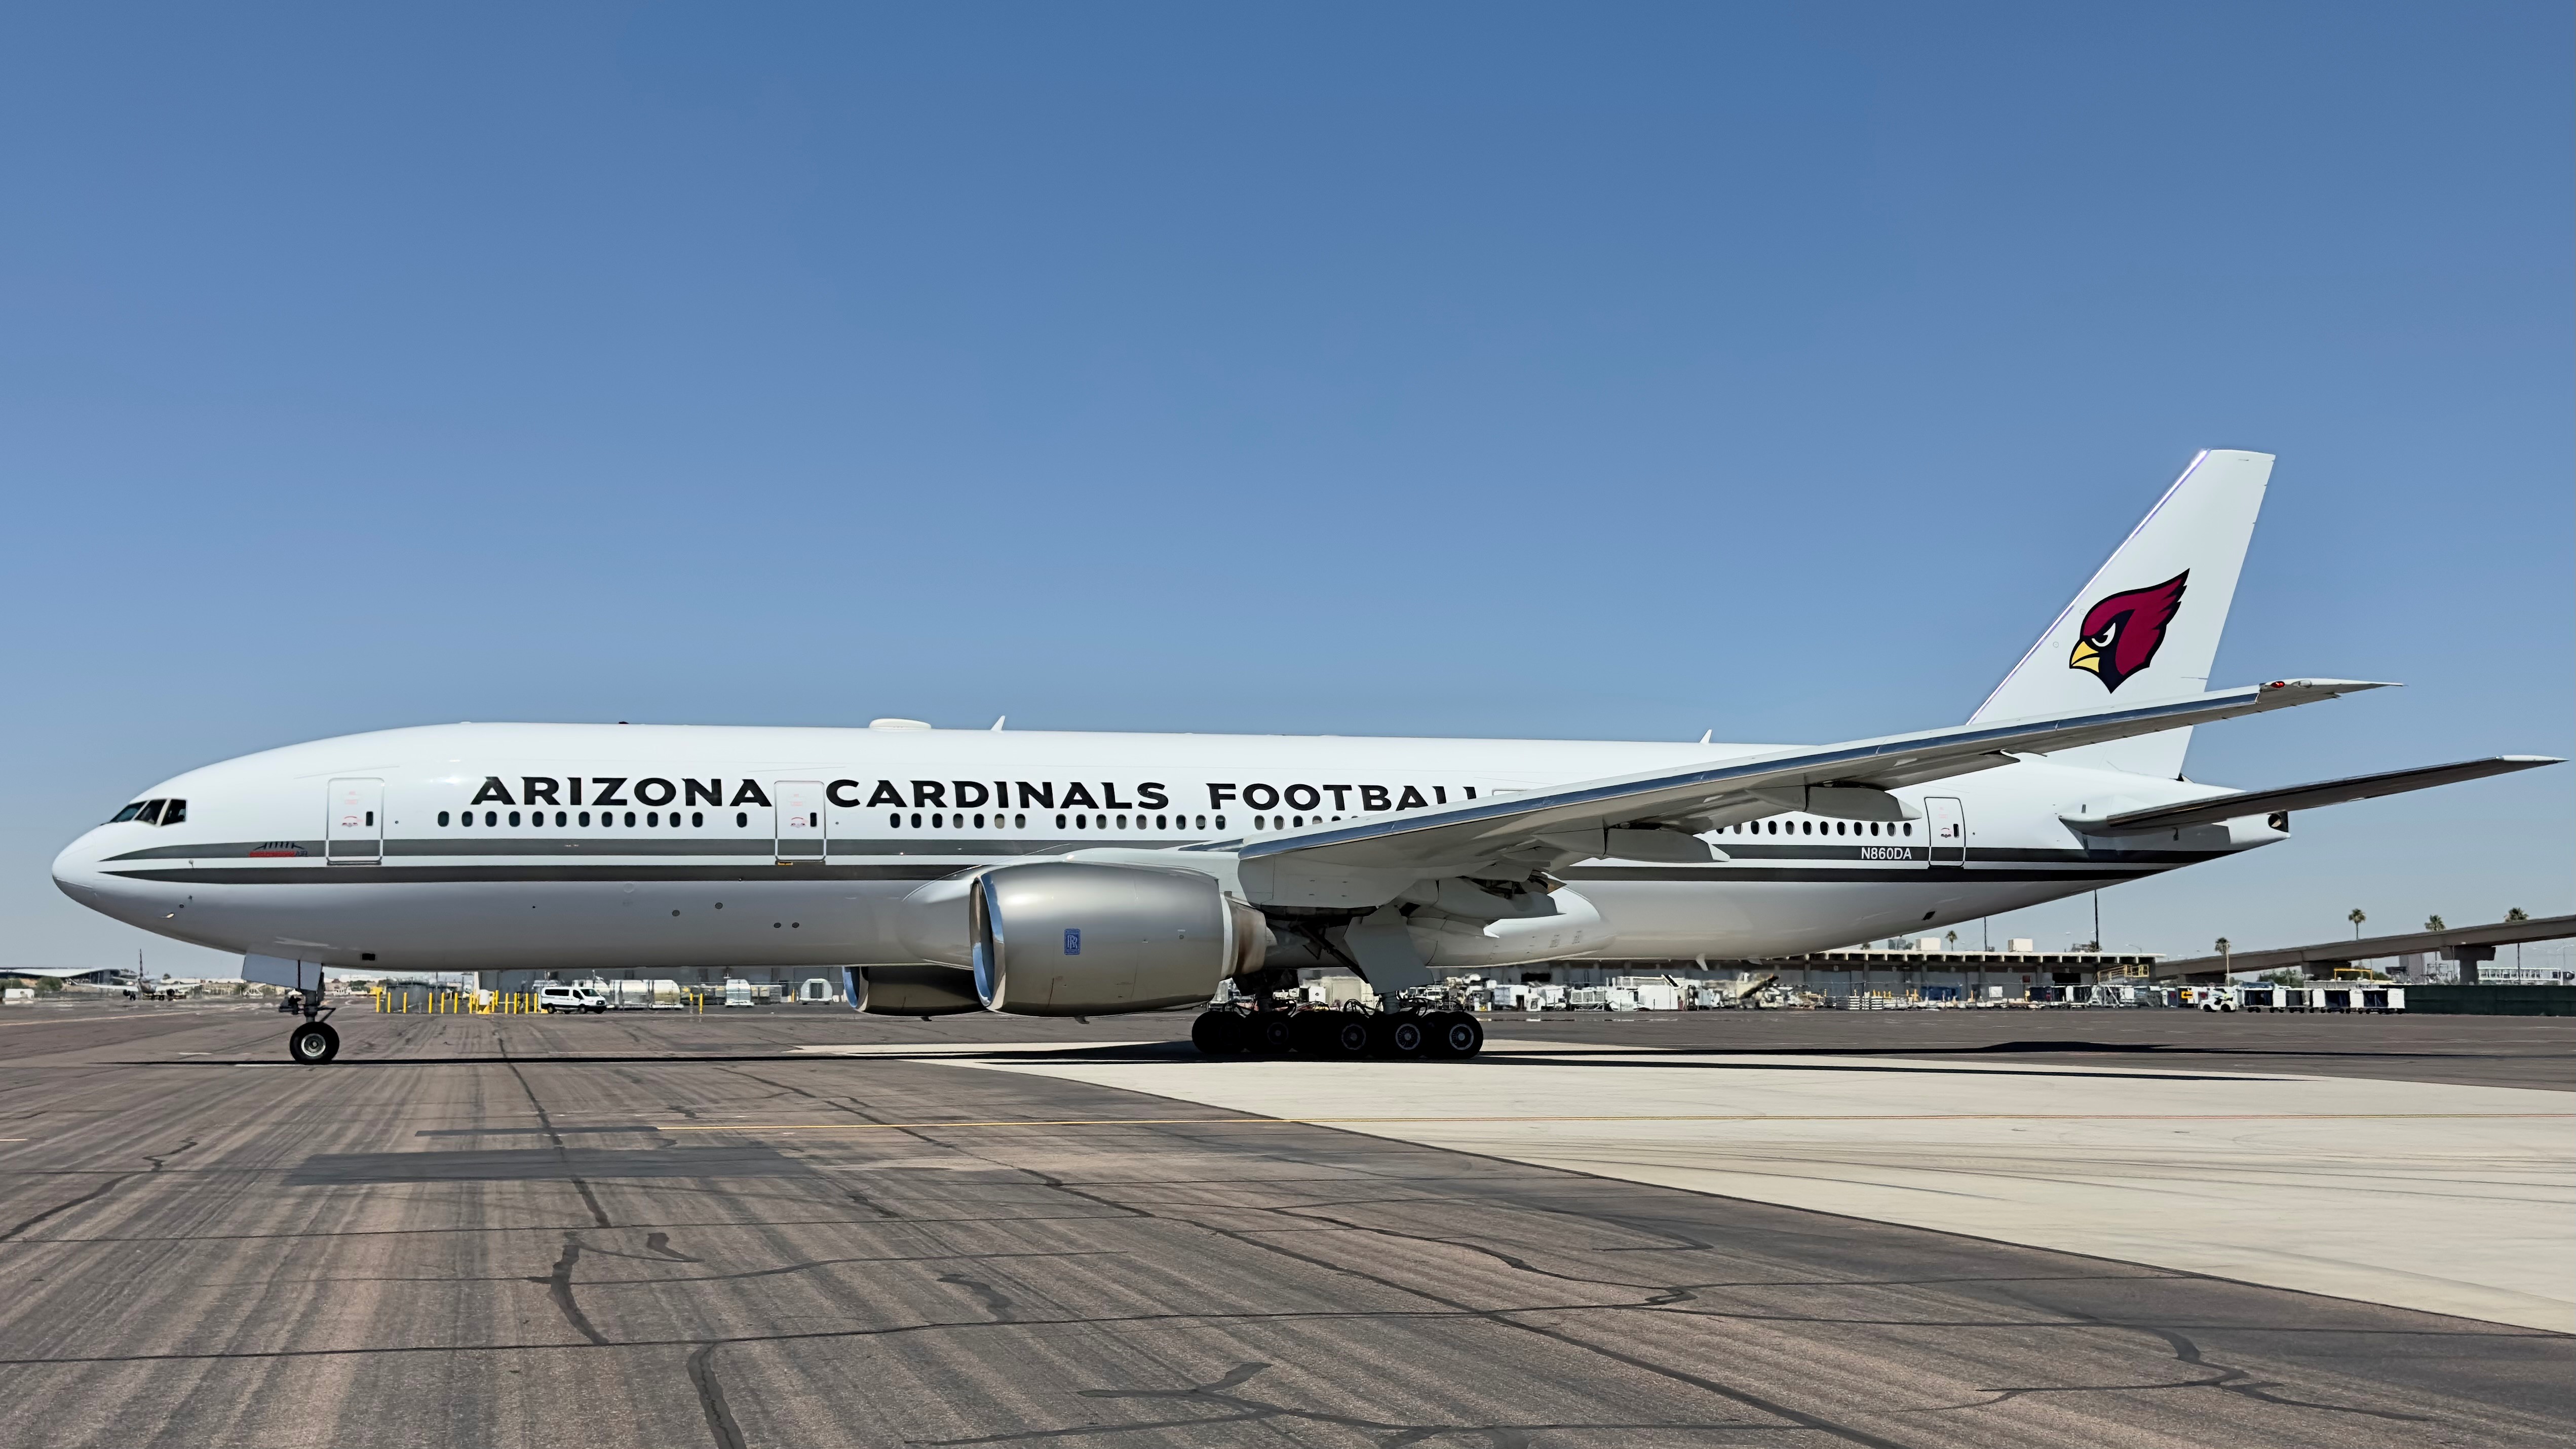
[[2303, 797]]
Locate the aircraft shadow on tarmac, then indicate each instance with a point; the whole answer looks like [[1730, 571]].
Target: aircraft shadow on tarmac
[[1638, 1059]]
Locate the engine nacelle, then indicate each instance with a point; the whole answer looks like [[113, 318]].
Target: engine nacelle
[[1064, 938]]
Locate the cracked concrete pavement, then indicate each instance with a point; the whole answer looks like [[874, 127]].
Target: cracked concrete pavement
[[202, 1245]]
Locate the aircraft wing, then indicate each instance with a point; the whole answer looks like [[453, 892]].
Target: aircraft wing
[[1638, 813], [2303, 797]]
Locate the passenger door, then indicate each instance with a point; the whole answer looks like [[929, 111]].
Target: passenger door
[[1948, 821], [800, 821], [354, 833]]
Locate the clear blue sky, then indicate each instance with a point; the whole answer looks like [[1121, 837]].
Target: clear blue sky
[[1582, 370]]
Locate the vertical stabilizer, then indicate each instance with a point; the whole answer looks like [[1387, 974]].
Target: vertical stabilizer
[[2146, 627]]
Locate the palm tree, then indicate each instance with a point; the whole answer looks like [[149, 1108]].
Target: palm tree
[[2517, 914], [2434, 923], [2356, 918]]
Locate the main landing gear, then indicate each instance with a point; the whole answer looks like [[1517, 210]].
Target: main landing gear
[[1230, 1032]]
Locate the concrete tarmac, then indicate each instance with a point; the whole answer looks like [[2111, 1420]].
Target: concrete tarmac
[[2317, 1183], [502, 1231]]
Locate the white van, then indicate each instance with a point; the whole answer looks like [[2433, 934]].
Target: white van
[[555, 996]]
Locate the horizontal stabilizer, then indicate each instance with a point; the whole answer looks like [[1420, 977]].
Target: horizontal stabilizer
[[2303, 797]]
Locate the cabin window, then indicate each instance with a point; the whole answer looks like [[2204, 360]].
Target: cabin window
[[1059, 822], [894, 822], [742, 819], [630, 817], [652, 817], [491, 817], [514, 819], [442, 818], [1018, 822], [1909, 827], [585, 820], [979, 822], [936, 822], [916, 822], [696, 817]]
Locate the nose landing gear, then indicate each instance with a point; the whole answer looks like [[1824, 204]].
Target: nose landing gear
[[312, 1044]]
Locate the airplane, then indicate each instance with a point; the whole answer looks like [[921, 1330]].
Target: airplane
[[1081, 874]]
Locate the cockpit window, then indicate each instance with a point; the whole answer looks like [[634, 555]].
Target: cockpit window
[[152, 812]]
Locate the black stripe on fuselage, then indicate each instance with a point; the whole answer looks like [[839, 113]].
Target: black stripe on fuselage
[[628, 846], [1776, 865], [494, 874]]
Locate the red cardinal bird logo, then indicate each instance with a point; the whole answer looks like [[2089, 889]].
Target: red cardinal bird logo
[[2123, 631]]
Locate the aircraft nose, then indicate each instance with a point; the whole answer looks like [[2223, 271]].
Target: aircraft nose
[[77, 873]]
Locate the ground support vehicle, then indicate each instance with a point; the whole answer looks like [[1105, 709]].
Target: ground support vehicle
[[557, 997]]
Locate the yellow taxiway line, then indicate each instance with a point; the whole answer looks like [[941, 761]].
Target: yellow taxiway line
[[1751, 1117]]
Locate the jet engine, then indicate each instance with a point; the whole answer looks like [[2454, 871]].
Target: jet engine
[[1064, 938]]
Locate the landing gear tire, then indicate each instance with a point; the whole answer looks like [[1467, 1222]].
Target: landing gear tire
[[1455, 1034], [312, 1044], [1218, 1033], [1341, 1034], [1269, 1034], [1400, 1035]]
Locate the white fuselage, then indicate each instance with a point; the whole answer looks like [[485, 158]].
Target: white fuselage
[[505, 846]]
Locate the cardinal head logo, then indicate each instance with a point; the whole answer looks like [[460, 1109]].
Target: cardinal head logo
[[2122, 632]]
